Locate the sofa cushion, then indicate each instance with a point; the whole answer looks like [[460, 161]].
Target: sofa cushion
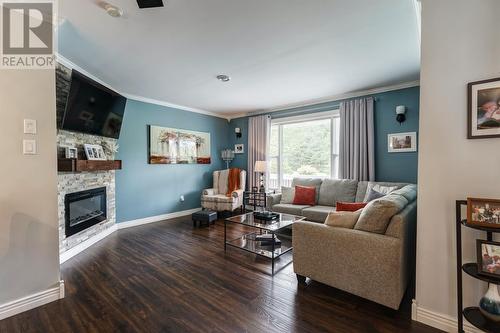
[[305, 195], [376, 215], [222, 181], [316, 182], [350, 206], [333, 190], [317, 213], [343, 219], [363, 185], [289, 209], [287, 194], [408, 191]]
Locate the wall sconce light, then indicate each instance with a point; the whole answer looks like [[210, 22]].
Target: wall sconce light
[[400, 114], [237, 130]]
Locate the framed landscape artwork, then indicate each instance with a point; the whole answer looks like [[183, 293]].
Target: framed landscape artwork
[[402, 142], [484, 109], [178, 146], [483, 212]]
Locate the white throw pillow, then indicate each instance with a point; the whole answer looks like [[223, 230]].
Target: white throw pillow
[[287, 195], [343, 219], [380, 189]]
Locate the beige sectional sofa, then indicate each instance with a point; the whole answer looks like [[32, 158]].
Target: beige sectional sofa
[[375, 266]]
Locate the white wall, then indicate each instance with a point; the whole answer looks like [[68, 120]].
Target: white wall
[[460, 44], [29, 248]]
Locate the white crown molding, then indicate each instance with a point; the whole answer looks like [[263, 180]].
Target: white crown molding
[[72, 65], [333, 98], [32, 301], [157, 218], [438, 320], [63, 257], [230, 116]]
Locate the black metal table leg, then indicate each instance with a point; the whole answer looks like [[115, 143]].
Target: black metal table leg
[[460, 319], [225, 223]]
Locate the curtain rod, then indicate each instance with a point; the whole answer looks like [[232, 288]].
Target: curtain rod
[[312, 108]]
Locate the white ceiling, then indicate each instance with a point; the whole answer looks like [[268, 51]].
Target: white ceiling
[[277, 52]]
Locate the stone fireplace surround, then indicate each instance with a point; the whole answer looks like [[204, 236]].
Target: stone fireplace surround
[[68, 182]]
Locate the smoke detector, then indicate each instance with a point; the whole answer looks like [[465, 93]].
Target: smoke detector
[[112, 10]]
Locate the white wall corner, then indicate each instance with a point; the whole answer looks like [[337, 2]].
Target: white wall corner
[[438, 320], [157, 218], [32, 301]]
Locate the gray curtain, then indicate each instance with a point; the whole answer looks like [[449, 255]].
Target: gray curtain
[[357, 146], [259, 132]]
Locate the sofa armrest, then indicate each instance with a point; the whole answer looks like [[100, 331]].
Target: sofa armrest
[[273, 199], [366, 264], [209, 191], [237, 194]]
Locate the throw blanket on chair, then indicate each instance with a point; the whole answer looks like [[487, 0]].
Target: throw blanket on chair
[[233, 181]]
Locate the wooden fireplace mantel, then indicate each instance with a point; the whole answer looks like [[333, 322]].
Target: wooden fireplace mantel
[[75, 165]]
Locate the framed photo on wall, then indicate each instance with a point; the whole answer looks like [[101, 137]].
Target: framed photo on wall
[[239, 148], [483, 212], [483, 114], [402, 142]]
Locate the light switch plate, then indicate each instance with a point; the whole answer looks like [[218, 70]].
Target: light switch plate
[[29, 126], [29, 147]]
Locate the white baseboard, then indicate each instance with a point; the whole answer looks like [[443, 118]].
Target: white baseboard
[[86, 244], [134, 223], [157, 218], [32, 301], [438, 320]]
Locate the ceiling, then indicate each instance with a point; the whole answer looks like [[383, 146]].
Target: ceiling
[[278, 53]]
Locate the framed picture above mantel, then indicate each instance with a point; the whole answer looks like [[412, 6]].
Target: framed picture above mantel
[[483, 114], [177, 146]]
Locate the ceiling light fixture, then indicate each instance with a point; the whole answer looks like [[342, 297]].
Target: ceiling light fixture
[[112, 10], [223, 78]]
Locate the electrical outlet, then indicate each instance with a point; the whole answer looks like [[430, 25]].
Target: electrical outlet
[[182, 198], [29, 147]]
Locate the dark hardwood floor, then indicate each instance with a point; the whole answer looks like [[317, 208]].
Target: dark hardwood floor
[[169, 277]]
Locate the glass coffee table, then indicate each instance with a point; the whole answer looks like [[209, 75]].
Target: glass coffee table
[[267, 249]]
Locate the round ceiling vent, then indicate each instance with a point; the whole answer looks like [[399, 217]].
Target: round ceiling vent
[[223, 78]]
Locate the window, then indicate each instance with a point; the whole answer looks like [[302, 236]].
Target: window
[[303, 146]]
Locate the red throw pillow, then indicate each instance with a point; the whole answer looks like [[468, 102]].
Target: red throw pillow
[[305, 195], [350, 206]]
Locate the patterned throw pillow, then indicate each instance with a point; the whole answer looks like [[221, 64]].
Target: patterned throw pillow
[[378, 188], [305, 195], [287, 195], [350, 206], [372, 195]]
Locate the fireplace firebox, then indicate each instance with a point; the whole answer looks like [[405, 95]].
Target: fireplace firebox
[[84, 209]]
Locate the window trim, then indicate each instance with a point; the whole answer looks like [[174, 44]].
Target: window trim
[[331, 114]]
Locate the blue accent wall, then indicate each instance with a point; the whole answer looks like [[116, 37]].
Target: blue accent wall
[[143, 189], [397, 167]]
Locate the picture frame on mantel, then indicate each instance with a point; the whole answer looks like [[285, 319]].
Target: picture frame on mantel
[[483, 112]]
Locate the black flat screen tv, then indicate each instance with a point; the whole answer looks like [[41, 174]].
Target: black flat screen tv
[[92, 108]]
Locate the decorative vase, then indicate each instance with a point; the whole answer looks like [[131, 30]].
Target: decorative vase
[[489, 305]]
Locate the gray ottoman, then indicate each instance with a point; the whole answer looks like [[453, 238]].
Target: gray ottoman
[[204, 216]]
